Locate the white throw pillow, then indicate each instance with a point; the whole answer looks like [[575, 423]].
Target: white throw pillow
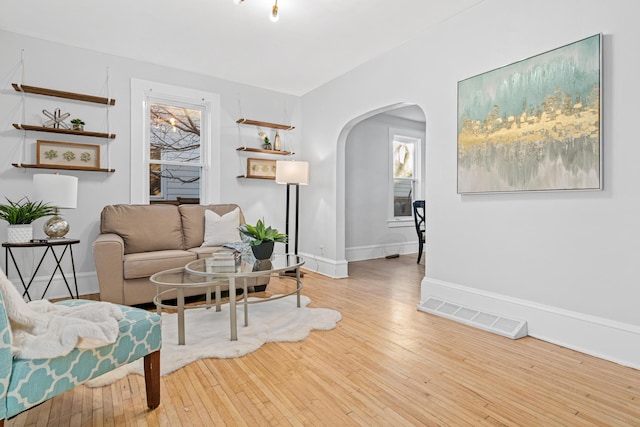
[[219, 230]]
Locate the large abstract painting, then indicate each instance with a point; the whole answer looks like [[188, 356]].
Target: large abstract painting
[[533, 125]]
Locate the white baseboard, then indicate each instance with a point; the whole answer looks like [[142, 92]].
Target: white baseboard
[[361, 253], [603, 338], [325, 266]]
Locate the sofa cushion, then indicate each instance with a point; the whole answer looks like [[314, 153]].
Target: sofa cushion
[[193, 221], [221, 229], [144, 228], [144, 264]]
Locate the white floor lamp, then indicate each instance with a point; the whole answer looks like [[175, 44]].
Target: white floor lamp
[[292, 173]]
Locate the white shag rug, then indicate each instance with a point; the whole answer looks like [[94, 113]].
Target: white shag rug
[[207, 333]]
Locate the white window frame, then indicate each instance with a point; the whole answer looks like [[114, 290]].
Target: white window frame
[[415, 138], [144, 92]]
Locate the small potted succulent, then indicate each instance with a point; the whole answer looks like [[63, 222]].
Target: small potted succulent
[[263, 238], [20, 215], [78, 124], [266, 144]]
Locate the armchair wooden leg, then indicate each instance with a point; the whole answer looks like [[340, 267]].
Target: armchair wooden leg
[[151, 379]]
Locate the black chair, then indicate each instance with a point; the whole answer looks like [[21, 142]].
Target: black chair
[[418, 217]]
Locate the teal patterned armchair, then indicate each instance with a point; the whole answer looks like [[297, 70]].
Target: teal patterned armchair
[[25, 383]]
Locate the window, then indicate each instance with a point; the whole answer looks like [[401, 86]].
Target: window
[[175, 144], [405, 173], [175, 162]]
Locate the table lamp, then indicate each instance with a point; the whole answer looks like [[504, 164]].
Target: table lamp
[[292, 173], [61, 192]]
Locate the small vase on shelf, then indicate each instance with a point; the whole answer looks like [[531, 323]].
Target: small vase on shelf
[[277, 144]]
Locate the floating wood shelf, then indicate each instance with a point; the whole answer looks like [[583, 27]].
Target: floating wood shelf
[[63, 94], [65, 131], [73, 168], [262, 150], [255, 177], [264, 124]]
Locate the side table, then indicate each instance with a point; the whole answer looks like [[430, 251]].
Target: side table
[[49, 244]]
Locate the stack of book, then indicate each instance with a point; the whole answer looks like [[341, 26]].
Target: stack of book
[[224, 261]]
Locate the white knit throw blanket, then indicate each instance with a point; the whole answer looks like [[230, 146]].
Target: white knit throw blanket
[[42, 330]]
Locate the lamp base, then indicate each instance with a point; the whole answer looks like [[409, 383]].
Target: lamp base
[[56, 227]]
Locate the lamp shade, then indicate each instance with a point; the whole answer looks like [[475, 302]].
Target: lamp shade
[[291, 172], [60, 191]]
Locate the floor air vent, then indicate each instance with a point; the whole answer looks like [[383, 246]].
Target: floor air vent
[[509, 328]]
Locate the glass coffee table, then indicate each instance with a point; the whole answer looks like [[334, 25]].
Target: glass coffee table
[[172, 284], [284, 266], [202, 273]]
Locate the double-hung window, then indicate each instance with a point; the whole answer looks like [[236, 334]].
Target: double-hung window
[[174, 149], [404, 182]]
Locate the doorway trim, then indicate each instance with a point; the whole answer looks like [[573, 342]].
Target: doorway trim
[[341, 179]]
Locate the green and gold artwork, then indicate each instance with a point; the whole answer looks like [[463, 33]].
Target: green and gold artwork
[[533, 125]]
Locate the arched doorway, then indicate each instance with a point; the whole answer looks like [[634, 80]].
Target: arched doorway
[[355, 239]]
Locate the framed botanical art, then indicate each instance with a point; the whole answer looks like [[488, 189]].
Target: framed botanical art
[[261, 168], [534, 125], [68, 155]]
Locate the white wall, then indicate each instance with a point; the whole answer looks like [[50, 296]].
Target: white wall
[[61, 67], [563, 261], [368, 234]]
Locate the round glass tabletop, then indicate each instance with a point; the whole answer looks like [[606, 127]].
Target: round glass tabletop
[[208, 268]]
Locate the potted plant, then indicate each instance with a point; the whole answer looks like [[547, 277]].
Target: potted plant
[[266, 144], [78, 124], [263, 238], [20, 215]]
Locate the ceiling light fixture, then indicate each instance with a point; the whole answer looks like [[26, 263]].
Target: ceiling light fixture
[[274, 15]]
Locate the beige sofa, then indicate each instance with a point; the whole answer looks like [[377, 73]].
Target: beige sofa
[[137, 241]]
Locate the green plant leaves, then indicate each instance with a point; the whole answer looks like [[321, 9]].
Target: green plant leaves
[[24, 211], [259, 233]]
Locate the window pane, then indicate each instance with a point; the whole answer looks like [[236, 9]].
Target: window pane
[[402, 193], [403, 159], [174, 133], [174, 136], [169, 182]]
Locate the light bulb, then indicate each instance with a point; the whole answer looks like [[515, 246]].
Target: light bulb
[[274, 13]]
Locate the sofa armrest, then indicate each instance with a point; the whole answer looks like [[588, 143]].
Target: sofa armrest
[[108, 254]]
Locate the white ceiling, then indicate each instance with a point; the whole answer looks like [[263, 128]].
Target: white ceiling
[[313, 42]]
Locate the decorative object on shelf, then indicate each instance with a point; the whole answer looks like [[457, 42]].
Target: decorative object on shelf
[[292, 173], [56, 119], [277, 144], [275, 12], [533, 125], [266, 144], [261, 168], [68, 155], [20, 215], [78, 124], [62, 192], [263, 238]]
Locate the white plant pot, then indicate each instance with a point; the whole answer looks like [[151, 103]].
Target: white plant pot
[[19, 233]]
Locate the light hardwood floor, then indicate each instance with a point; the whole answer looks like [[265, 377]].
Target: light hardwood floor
[[385, 364]]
